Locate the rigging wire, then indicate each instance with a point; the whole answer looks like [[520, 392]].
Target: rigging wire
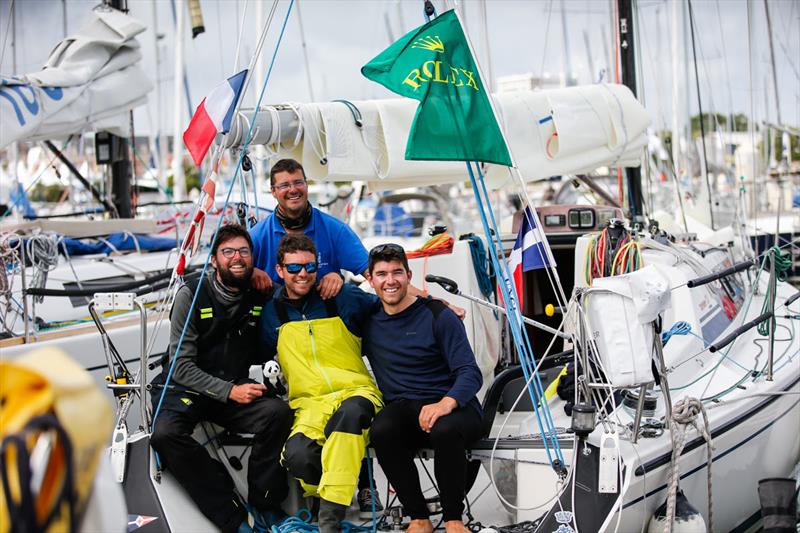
[[700, 106], [546, 38], [247, 138]]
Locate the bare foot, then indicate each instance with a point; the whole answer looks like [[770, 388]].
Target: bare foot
[[420, 526], [455, 526]]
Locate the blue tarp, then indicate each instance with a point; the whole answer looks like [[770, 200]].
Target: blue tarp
[[392, 220], [120, 242]]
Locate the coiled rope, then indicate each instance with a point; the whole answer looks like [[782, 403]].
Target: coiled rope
[[481, 264], [9, 260], [42, 250], [684, 414], [302, 522], [783, 262]]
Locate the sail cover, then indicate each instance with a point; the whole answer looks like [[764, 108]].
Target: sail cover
[[550, 133], [90, 79]]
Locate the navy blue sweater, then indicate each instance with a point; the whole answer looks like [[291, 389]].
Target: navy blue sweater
[[418, 356]]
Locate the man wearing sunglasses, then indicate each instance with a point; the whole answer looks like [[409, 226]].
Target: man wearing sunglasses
[[318, 344], [210, 382], [338, 247]]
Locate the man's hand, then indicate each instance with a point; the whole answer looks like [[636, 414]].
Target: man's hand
[[260, 280], [460, 312], [432, 412], [330, 285], [246, 392]]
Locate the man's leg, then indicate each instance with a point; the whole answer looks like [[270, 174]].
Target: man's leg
[[302, 457], [450, 437], [345, 443], [396, 436], [269, 419], [367, 495], [205, 479]]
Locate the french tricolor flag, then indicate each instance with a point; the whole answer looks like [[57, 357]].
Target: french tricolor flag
[[528, 253], [213, 116]]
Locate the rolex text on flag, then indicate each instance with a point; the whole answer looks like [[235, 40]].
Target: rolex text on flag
[[455, 120], [213, 116]]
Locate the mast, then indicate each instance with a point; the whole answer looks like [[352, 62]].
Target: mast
[[772, 60], [628, 66], [178, 179], [677, 104], [121, 165]]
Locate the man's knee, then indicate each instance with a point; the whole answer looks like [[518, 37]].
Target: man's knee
[[383, 430], [273, 415], [167, 431], [446, 433], [302, 457], [354, 415]]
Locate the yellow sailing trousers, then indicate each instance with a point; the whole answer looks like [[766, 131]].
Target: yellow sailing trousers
[[334, 399]]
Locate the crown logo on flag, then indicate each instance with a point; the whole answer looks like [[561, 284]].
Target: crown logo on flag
[[434, 43]]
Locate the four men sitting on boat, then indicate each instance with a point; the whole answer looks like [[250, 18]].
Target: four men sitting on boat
[[417, 347]]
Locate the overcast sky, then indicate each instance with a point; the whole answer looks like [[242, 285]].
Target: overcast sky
[[510, 36]]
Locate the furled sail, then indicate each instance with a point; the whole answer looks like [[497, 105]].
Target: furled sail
[[552, 132], [90, 79]]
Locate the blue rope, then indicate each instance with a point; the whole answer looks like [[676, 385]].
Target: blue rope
[[480, 263], [527, 352], [678, 328], [302, 522], [372, 492], [521, 341], [219, 224]]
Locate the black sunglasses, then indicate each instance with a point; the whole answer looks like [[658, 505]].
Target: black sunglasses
[[388, 247], [295, 268]]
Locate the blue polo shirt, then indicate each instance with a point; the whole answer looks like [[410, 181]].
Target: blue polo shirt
[[338, 247]]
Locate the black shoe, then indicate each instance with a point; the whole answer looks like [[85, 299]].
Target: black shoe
[[365, 498], [330, 516]]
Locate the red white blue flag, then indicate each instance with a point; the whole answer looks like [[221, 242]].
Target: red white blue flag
[[529, 252], [213, 116]]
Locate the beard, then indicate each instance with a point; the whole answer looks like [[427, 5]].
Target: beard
[[232, 280]]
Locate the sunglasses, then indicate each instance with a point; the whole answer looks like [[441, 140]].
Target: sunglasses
[[295, 268], [388, 247], [227, 253]]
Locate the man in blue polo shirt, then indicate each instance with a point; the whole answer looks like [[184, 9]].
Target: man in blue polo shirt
[[338, 247]]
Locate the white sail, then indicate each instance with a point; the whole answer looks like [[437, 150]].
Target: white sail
[[90, 79], [553, 132]]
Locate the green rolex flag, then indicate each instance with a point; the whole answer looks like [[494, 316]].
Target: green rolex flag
[[454, 121]]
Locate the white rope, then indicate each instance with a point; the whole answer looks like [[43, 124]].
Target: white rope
[[43, 254], [684, 414], [9, 262]]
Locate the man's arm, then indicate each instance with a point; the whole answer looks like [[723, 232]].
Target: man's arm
[[187, 373], [452, 340]]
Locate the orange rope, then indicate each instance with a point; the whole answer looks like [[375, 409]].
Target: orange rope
[[440, 244]]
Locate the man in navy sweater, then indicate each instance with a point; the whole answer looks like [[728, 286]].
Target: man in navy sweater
[[426, 370]]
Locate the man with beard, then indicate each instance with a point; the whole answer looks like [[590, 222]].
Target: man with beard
[[210, 382]]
